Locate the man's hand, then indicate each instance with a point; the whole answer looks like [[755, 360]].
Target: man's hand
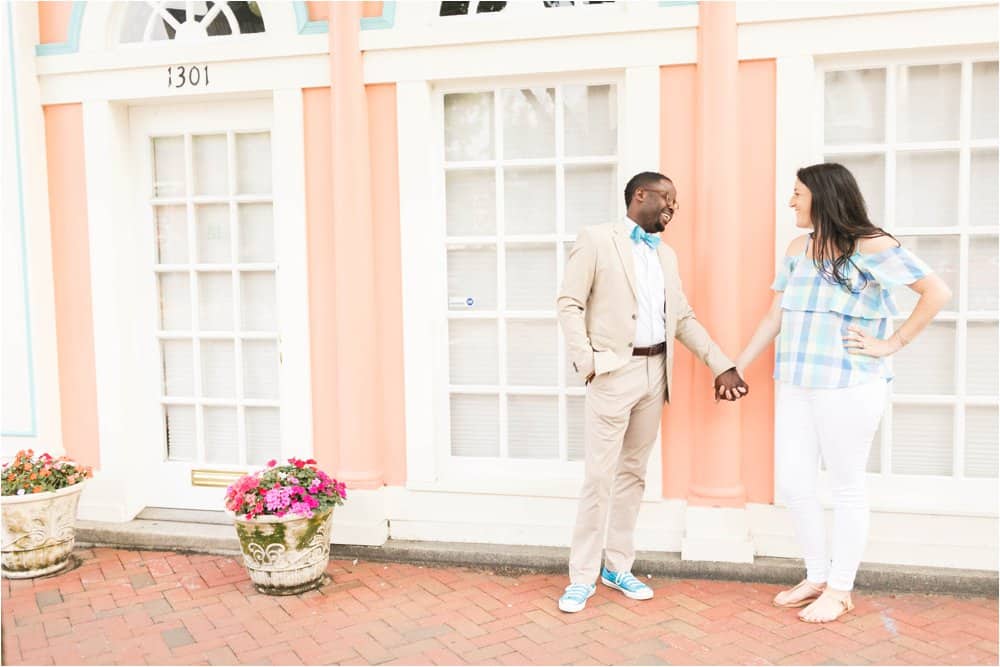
[[730, 386]]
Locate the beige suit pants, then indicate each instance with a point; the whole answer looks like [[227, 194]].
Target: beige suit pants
[[622, 419]]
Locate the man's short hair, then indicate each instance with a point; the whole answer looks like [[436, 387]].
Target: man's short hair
[[641, 180]]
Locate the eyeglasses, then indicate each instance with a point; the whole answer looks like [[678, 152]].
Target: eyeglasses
[[673, 205]]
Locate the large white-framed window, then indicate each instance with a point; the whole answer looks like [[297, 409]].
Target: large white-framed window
[[524, 165], [921, 136]]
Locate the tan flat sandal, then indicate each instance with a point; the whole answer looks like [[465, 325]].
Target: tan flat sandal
[[846, 605], [814, 591]]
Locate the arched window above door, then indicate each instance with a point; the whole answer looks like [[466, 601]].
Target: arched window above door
[[188, 21]]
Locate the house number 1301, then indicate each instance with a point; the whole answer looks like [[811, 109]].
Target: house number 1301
[[180, 76]]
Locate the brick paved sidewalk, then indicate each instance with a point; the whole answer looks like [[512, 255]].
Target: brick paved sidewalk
[[146, 607]]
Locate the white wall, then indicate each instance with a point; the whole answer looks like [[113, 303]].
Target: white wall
[[30, 396]]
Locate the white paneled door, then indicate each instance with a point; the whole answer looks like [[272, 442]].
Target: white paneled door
[[208, 205]]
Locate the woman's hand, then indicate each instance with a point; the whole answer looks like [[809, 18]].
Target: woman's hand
[[859, 341]]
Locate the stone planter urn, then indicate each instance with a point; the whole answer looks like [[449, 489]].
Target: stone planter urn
[[38, 531], [285, 555]]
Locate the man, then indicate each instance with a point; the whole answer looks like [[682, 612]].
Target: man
[[620, 307]]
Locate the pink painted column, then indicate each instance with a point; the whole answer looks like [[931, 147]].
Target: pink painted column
[[716, 478], [353, 290], [67, 176]]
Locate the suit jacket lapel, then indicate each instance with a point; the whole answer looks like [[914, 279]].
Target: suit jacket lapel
[[623, 244]]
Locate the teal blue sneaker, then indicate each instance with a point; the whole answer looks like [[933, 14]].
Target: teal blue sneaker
[[576, 596], [626, 583]]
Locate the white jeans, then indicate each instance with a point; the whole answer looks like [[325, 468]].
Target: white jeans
[[837, 424]]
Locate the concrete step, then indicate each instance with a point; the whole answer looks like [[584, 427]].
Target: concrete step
[[213, 532]]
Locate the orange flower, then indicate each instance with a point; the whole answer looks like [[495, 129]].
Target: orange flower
[[33, 476], [45, 473], [37, 489], [71, 479], [10, 477]]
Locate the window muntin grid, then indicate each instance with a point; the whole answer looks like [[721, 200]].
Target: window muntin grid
[[524, 169], [215, 269], [921, 138]]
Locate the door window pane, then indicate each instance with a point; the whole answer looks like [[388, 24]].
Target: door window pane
[[928, 98], [984, 100], [471, 208], [855, 106], [211, 164], [171, 234], [531, 277], [983, 191], [221, 436], [215, 301], [212, 223], [591, 120], [529, 200], [168, 167], [984, 276], [591, 196], [532, 353], [534, 427], [941, 253], [922, 439], [253, 163], [179, 426], [475, 425], [175, 301], [218, 369], [472, 278], [178, 368], [982, 370], [927, 189], [256, 232], [472, 351], [259, 301], [529, 123], [468, 122], [260, 369], [927, 365], [263, 428], [981, 428]]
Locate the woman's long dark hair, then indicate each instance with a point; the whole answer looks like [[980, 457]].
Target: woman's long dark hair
[[840, 217]]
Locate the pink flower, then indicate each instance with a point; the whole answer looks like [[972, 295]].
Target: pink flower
[[272, 463]]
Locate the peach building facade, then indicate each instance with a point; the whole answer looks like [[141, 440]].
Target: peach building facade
[[242, 231]]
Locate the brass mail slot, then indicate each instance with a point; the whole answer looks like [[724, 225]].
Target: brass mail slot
[[215, 477]]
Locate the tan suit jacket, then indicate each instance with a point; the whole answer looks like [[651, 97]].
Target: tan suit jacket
[[597, 305]]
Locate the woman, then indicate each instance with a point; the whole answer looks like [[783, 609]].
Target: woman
[[831, 314]]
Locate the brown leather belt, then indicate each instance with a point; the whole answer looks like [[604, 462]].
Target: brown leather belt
[[659, 348]]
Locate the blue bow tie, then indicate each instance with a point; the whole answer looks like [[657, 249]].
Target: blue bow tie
[[652, 240]]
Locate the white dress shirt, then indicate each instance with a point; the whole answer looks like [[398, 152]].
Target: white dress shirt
[[650, 326]]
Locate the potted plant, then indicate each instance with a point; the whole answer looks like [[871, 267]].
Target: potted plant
[[40, 497], [282, 516]]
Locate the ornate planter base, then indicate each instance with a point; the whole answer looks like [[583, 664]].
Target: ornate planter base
[[38, 532], [285, 555]]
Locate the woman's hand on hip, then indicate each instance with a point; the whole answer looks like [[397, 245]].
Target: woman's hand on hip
[[859, 341]]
